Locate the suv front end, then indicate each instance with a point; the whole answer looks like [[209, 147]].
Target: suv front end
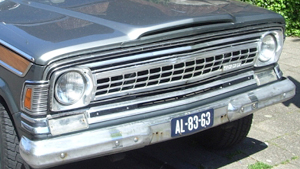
[[108, 101]]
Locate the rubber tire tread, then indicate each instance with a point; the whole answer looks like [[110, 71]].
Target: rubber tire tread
[[10, 156], [226, 135]]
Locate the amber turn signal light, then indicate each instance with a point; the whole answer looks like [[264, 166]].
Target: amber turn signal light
[[27, 100]]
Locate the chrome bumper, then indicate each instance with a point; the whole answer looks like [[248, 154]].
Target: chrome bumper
[[105, 141]]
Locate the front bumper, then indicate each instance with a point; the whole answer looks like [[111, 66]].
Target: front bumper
[[124, 137]]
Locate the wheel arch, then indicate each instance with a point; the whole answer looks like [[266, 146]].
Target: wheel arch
[[8, 102]]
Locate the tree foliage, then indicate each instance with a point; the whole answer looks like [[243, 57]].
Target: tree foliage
[[289, 9]]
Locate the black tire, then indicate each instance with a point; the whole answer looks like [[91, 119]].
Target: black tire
[[9, 149], [226, 135]]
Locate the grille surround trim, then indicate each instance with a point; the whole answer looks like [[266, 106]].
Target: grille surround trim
[[129, 54], [176, 59]]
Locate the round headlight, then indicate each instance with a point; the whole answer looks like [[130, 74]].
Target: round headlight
[[69, 88], [268, 48]]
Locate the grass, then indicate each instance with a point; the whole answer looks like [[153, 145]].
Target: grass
[[294, 158], [288, 161], [285, 162], [259, 165]]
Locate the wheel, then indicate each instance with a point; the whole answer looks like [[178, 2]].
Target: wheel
[[9, 150], [226, 135]]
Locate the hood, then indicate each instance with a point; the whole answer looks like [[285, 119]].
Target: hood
[[43, 30]]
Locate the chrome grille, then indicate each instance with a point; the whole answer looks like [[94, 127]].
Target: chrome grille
[[174, 71]]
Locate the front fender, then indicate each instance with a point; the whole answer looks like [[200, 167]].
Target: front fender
[[7, 96]]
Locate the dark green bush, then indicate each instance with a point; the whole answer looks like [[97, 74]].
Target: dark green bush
[[289, 9]]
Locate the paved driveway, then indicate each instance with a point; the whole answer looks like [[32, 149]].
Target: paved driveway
[[274, 138]]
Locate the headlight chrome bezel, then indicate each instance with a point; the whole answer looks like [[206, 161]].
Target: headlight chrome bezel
[[57, 104], [278, 38]]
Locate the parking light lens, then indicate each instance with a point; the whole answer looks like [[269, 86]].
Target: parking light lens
[[27, 100]]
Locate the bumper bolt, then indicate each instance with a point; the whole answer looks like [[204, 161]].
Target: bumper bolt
[[117, 143], [63, 155], [254, 105], [284, 95], [136, 139], [242, 109]]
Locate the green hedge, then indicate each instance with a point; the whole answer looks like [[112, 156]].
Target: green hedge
[[289, 9]]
